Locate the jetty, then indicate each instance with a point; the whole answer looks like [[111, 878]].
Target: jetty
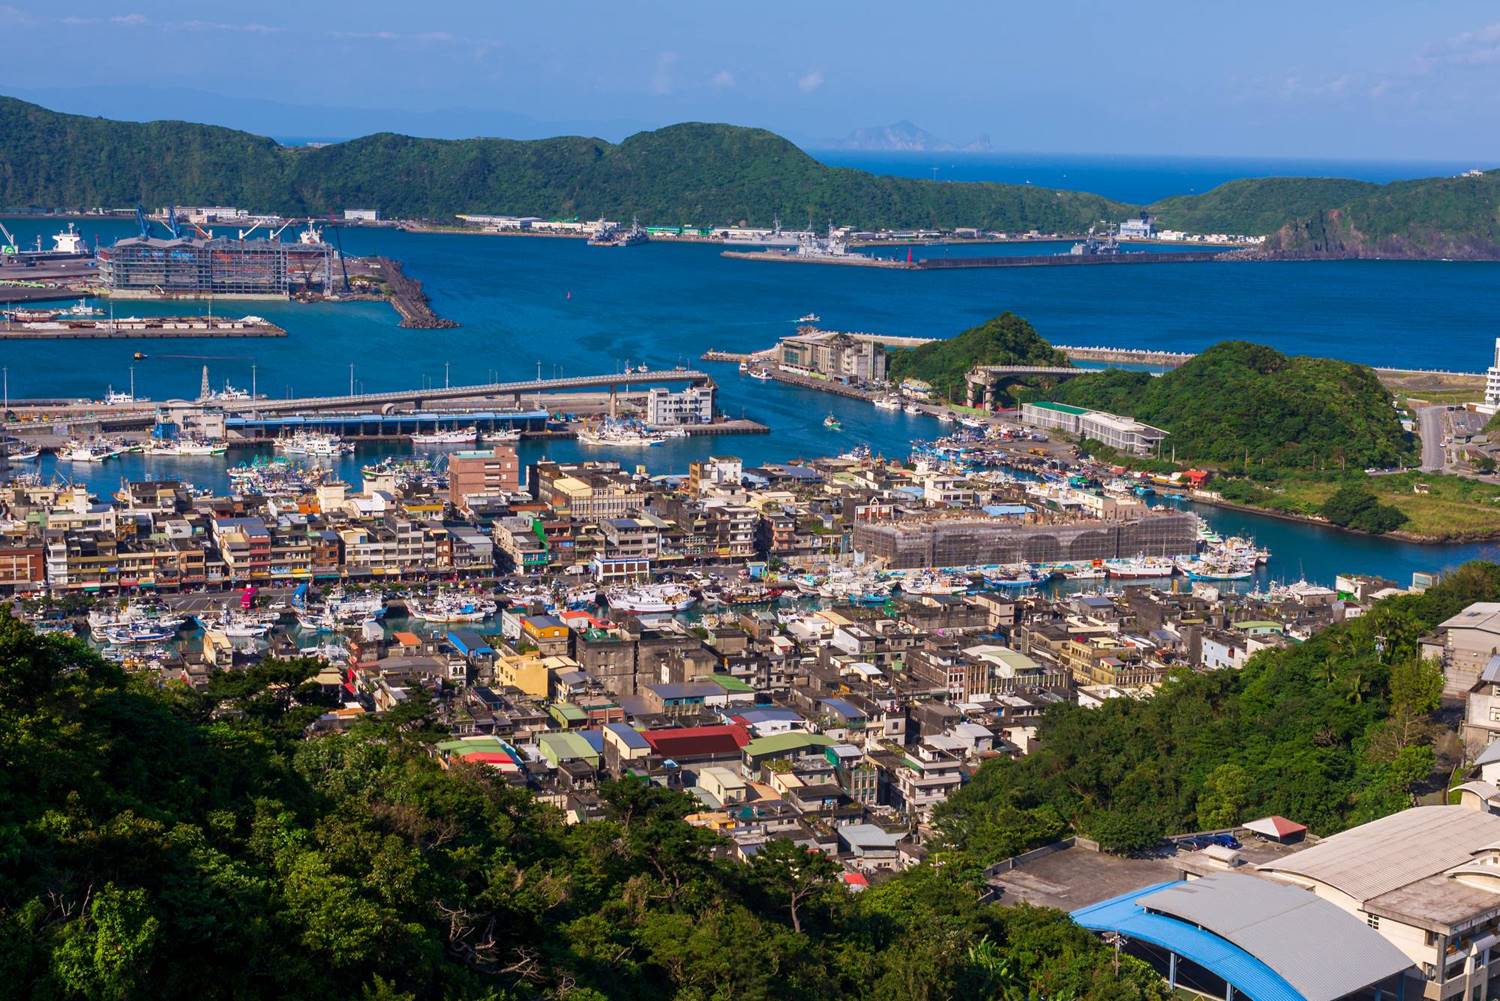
[[409, 299]]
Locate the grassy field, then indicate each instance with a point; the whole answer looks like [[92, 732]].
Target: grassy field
[[1452, 508]]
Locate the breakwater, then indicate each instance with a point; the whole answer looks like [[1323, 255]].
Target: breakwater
[[409, 299]]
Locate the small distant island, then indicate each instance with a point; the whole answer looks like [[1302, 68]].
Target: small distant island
[[904, 137]]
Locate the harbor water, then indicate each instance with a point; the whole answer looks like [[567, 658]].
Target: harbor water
[[559, 307]]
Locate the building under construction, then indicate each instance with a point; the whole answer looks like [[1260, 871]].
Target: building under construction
[[145, 266], [963, 542]]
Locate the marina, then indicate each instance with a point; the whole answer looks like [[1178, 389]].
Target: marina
[[1341, 309]]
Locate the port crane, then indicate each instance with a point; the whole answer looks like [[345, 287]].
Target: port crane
[[10, 246]]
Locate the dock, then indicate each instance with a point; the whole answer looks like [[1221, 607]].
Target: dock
[[409, 299], [134, 328], [1009, 261]]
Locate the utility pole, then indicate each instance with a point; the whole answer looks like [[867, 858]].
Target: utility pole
[[252, 385]]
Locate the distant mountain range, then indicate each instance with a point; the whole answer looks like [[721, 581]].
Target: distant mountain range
[[904, 137], [693, 173]]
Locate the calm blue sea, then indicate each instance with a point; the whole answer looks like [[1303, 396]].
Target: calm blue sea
[[576, 309], [1135, 179]]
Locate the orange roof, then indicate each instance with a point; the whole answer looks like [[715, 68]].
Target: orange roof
[[407, 639]]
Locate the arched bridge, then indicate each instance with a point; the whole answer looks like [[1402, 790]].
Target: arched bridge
[[980, 380]]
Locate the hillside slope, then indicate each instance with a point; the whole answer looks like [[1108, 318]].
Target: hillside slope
[[1238, 401], [1005, 340], [691, 173], [1255, 206]]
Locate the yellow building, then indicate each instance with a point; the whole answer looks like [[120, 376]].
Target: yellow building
[[525, 671]]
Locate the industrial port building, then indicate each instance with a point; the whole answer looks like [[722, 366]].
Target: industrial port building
[[905, 545], [192, 266]]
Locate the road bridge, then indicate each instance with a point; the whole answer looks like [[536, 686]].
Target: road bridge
[[422, 396], [979, 381]]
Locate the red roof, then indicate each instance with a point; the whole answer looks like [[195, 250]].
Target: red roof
[[1278, 827], [695, 740], [488, 757], [856, 879]]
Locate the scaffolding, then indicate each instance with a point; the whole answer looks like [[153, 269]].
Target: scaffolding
[[983, 542], [217, 267]]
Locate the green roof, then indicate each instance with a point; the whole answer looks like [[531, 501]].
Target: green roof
[[469, 746], [1062, 408], [728, 682], [781, 743], [569, 712], [566, 746]]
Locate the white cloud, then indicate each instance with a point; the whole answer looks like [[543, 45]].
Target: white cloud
[[810, 82], [722, 80], [661, 79], [74, 20], [251, 28], [128, 19]]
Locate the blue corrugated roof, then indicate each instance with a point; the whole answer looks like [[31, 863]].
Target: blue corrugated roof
[[1217, 955], [469, 643], [629, 736], [844, 708]]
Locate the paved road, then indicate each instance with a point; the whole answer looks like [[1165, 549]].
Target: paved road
[[1430, 425]]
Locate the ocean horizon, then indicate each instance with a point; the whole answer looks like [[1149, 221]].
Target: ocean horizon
[[1136, 178]]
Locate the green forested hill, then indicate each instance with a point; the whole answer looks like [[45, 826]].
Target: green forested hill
[[691, 173], [178, 844], [1255, 206], [1443, 217], [1005, 340], [1238, 400]]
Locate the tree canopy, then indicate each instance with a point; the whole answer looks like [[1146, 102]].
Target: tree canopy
[[171, 843], [694, 173], [1239, 402], [1004, 340]]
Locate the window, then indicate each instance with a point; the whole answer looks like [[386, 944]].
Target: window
[[1373, 920]]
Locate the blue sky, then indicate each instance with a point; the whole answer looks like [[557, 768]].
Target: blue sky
[[1377, 79]]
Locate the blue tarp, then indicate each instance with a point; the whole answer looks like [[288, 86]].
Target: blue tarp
[[1217, 955]]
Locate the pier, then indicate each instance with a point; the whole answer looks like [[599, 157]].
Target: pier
[[135, 328]]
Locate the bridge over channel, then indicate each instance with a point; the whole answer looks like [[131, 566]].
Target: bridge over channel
[[980, 380]]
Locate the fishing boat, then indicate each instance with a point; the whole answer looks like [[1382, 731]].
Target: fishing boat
[[24, 453], [453, 436], [650, 598], [912, 409], [809, 318], [313, 443], [762, 374], [451, 606], [98, 450], [1146, 568], [832, 423], [187, 446], [888, 402], [619, 436]]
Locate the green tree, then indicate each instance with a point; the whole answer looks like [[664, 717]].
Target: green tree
[[1227, 791], [793, 875]]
